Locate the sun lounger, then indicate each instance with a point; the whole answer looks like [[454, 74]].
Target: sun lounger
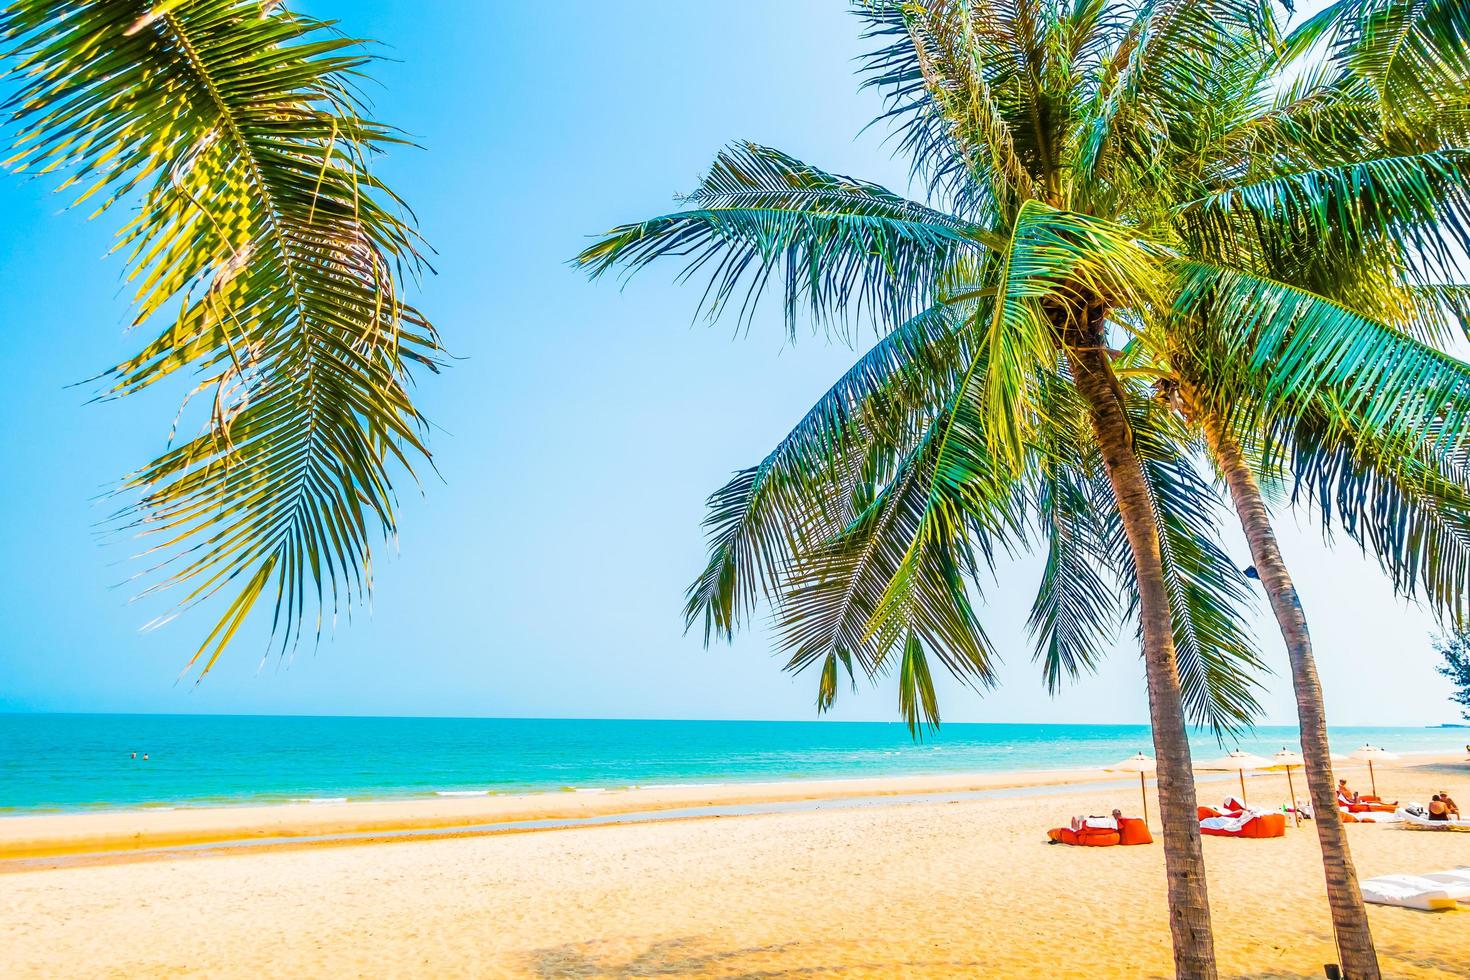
[[1415, 822], [1455, 882], [1407, 891]]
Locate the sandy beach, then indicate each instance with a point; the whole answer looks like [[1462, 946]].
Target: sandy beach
[[964, 887]]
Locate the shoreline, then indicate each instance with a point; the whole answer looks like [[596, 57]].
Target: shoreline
[[31, 836]]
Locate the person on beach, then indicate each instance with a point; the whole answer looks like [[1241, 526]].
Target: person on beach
[[1437, 809], [1345, 793], [1452, 809]]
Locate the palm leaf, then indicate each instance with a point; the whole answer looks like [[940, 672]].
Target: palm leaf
[[801, 492], [234, 130], [840, 244], [1217, 658]]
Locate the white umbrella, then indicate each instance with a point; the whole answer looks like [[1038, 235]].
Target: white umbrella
[[1289, 760], [1238, 762], [1371, 754], [1140, 764]]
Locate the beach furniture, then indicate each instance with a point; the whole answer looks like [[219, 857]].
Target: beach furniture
[[1237, 821], [1413, 821], [1102, 832], [1407, 891], [1456, 882]]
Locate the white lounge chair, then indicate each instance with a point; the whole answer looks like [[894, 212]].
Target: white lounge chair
[[1407, 891], [1456, 882], [1413, 821]]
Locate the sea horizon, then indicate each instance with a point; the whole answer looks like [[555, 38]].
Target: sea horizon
[[73, 761]]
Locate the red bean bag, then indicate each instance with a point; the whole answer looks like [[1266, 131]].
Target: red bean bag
[[1132, 830], [1063, 835], [1089, 836], [1265, 825]]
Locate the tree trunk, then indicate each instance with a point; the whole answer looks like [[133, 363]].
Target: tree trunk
[[1349, 917], [1189, 910]]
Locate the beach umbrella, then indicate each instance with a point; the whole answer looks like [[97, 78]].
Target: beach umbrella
[[1140, 764], [1371, 754], [1238, 762], [1289, 760]]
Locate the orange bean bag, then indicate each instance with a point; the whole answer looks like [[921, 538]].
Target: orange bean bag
[[1132, 830], [1092, 836], [1265, 825]]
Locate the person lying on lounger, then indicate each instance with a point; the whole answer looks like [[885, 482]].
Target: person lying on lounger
[[1345, 793], [1437, 809]]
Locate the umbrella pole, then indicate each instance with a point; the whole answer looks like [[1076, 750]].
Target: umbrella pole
[[1143, 792], [1371, 778], [1295, 812], [1242, 787]]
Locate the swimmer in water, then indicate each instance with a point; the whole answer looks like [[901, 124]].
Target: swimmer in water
[[145, 756]]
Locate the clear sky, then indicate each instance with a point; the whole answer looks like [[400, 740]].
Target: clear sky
[[580, 432]]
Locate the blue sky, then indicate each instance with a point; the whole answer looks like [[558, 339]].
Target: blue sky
[[580, 431]]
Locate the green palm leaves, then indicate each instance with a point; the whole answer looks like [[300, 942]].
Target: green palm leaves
[[268, 257], [1090, 171], [842, 244]]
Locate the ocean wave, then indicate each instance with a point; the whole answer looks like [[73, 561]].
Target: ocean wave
[[461, 792]]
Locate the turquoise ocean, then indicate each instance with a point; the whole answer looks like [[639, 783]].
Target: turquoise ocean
[[79, 762]]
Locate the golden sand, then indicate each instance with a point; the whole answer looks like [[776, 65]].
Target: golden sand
[[901, 889]]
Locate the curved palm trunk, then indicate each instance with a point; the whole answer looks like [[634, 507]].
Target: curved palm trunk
[[1349, 917], [1189, 911]]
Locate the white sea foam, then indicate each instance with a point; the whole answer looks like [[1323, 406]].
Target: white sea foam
[[461, 792]]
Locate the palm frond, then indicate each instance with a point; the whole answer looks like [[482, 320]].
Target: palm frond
[[1293, 343], [801, 492], [1406, 504], [1419, 201], [1076, 611], [1219, 664], [841, 245], [234, 129]]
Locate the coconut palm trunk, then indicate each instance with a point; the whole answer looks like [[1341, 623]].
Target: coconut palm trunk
[[1189, 912], [1349, 917]]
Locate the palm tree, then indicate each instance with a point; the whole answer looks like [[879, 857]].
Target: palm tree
[[268, 261], [1395, 78], [1079, 158]]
